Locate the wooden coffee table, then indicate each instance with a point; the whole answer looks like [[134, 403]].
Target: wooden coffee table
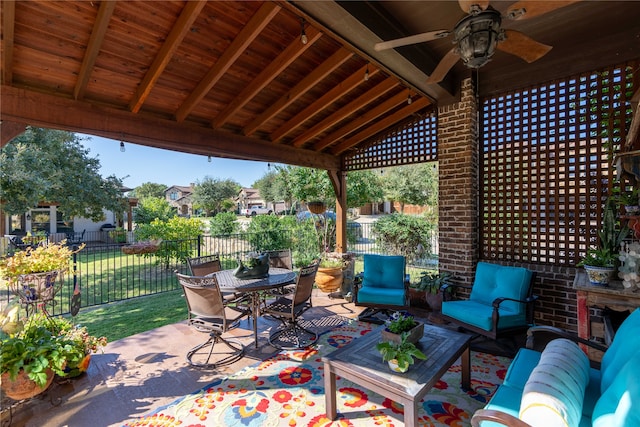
[[361, 363]]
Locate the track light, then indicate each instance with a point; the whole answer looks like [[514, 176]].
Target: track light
[[122, 146], [366, 73], [303, 34]]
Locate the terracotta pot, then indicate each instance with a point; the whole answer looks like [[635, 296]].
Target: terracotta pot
[[434, 301], [22, 387], [415, 334], [329, 279]]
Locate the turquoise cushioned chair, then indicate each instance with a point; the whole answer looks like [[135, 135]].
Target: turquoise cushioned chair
[[383, 286], [500, 302]]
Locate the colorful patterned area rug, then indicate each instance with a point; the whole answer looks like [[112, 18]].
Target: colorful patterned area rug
[[288, 390]]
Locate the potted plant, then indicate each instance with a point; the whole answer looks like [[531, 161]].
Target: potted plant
[[600, 262], [399, 323], [429, 284], [400, 355], [629, 200], [30, 357], [32, 274]]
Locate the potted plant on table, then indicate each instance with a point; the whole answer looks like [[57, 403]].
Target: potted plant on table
[[400, 355], [399, 323]]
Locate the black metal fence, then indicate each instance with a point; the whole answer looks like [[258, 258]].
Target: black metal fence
[[103, 273]]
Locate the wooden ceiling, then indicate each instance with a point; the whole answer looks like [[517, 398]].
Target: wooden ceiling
[[233, 78]]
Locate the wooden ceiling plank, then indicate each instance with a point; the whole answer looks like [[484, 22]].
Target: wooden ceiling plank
[[181, 28], [363, 120], [380, 125], [249, 32], [9, 130], [92, 51], [344, 112], [8, 33], [321, 103], [326, 68], [50, 111], [277, 66]]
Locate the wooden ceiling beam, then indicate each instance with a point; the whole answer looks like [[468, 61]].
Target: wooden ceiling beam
[[181, 28], [277, 66], [360, 102], [363, 120], [9, 130], [8, 32], [321, 103], [93, 47], [380, 125], [50, 111], [326, 68], [249, 32]]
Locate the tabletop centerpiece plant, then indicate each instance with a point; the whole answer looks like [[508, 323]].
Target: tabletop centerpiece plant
[[399, 323], [35, 274], [400, 355]]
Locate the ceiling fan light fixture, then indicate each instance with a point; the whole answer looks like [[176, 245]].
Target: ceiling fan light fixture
[[477, 36]]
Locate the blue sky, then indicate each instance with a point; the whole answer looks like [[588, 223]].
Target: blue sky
[[145, 164]]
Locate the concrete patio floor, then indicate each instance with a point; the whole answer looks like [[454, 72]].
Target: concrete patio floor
[[137, 374]]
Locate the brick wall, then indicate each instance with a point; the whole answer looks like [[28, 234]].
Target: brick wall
[[459, 165]]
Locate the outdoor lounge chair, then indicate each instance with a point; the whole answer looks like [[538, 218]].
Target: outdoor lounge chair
[[288, 309], [382, 288], [209, 313]]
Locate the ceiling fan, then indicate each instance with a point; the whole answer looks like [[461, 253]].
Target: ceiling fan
[[479, 34]]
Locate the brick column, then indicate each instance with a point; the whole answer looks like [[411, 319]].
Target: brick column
[[458, 185]]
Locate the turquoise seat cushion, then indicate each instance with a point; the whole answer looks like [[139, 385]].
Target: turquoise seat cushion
[[553, 395], [619, 405], [381, 296], [506, 399], [383, 271], [625, 342], [480, 314], [498, 281], [521, 367]]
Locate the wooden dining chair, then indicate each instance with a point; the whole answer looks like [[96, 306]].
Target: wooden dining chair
[[288, 309], [209, 313]]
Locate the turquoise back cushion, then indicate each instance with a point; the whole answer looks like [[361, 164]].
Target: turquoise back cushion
[[383, 271], [619, 405], [498, 281], [625, 343]]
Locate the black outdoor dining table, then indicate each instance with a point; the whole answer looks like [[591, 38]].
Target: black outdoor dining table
[[277, 278]]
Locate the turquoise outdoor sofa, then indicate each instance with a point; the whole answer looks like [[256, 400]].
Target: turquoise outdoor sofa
[[558, 387]]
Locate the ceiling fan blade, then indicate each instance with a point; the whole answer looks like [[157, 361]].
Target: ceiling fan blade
[[418, 38], [465, 5], [523, 46], [446, 64], [526, 9]]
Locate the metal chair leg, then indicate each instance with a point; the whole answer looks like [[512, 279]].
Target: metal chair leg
[[236, 353]]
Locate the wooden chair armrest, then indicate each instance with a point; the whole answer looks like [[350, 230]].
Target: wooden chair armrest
[[550, 333], [497, 417]]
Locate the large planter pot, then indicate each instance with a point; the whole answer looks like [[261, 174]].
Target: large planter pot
[[414, 336], [599, 276], [434, 301], [329, 279], [22, 387], [37, 287]]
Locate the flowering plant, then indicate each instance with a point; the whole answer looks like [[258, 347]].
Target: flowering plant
[[399, 322], [43, 258]]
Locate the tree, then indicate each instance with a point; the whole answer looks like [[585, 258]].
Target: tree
[[267, 187], [414, 184], [151, 208], [51, 165], [149, 189], [211, 193]]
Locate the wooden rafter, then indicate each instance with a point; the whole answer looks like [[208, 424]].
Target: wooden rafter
[[9, 130], [178, 32], [355, 105], [258, 22], [380, 125], [326, 68], [286, 58], [319, 104], [374, 113], [8, 27], [93, 47]]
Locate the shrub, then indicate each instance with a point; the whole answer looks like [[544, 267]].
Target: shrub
[[405, 235], [269, 232], [173, 233], [224, 223], [150, 208]]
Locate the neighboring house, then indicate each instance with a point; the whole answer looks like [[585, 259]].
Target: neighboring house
[[179, 197], [248, 197]]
